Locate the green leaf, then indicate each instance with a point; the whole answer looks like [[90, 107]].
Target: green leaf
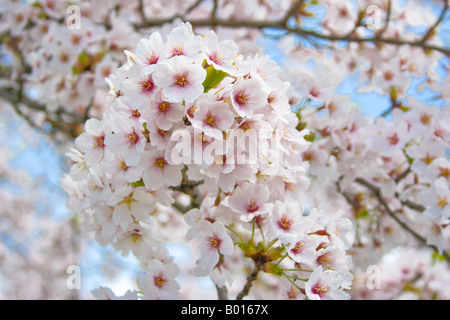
[[137, 184], [273, 269], [83, 62], [276, 253], [249, 248], [213, 78], [311, 137]]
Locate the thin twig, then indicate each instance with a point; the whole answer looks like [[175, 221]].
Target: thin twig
[[432, 29], [377, 192]]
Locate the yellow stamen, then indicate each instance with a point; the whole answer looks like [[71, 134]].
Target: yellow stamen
[[442, 201], [210, 120], [159, 281], [163, 106], [160, 162]]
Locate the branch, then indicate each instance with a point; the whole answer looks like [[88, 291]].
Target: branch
[[377, 192], [282, 24], [386, 22], [142, 11], [431, 30], [248, 284]]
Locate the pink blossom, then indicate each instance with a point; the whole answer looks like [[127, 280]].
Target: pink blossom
[[179, 79]]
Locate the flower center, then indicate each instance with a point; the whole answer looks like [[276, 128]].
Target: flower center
[[147, 85], [177, 51], [128, 201], [210, 120], [214, 242], [181, 80], [393, 139], [241, 98], [163, 132], [136, 237], [159, 281], [163, 106], [285, 223], [216, 58], [160, 162], [99, 142], [298, 247], [152, 58], [136, 114], [428, 159], [133, 138], [123, 166], [319, 289], [252, 206], [444, 172], [323, 259], [442, 201]]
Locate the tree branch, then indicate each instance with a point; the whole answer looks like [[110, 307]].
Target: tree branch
[[282, 24], [377, 192], [248, 284], [431, 30]]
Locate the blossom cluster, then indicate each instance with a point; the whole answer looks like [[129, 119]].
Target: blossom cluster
[[181, 118], [405, 274]]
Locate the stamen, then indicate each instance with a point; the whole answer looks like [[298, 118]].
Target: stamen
[[210, 120], [319, 289], [181, 80], [163, 106], [442, 201], [132, 137], [160, 162], [298, 247], [177, 51], [147, 85], [159, 281], [241, 98], [252, 206], [285, 223], [214, 242], [99, 142]]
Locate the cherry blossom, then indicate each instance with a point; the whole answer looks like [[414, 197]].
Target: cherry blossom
[[179, 79]]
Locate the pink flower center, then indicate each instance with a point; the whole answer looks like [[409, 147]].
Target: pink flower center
[[241, 98], [159, 280], [214, 242], [298, 247], [163, 132], [163, 106], [252, 206], [160, 162], [181, 80], [99, 142], [319, 289], [136, 114], [216, 58], [393, 139], [177, 51], [152, 58], [285, 223], [133, 138], [210, 120], [147, 85], [324, 259]]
